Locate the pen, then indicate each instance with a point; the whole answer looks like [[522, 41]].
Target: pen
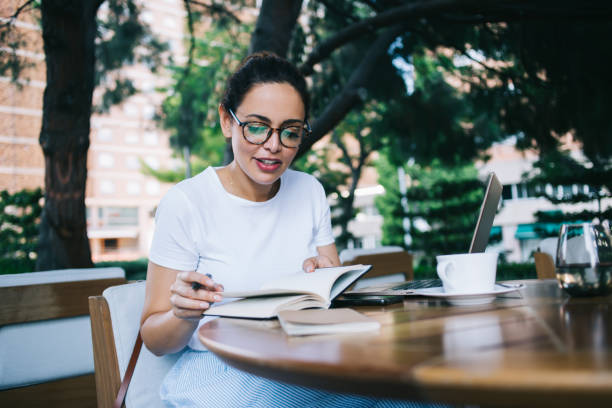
[[198, 285]]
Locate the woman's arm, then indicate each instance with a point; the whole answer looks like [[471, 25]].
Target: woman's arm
[[327, 256], [172, 308]]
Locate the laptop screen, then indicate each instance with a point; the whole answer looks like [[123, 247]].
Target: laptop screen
[[480, 239]]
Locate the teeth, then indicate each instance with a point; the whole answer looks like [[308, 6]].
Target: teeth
[[264, 161]]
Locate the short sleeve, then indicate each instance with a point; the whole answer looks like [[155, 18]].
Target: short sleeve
[[323, 229], [174, 244]]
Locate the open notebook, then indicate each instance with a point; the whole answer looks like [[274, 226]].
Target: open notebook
[[296, 291]]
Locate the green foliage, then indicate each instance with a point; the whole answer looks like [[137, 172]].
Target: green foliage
[[19, 221], [173, 175], [437, 121], [442, 206], [560, 169], [123, 39], [189, 111], [389, 204], [11, 62], [331, 178], [334, 72], [350, 147]]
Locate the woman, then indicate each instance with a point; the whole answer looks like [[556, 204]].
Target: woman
[[235, 227]]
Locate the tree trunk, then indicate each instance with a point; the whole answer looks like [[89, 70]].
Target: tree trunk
[[69, 29], [275, 25]]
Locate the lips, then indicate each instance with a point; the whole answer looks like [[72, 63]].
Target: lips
[[267, 164]]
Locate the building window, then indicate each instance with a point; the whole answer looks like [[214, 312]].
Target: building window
[[147, 17], [105, 135], [130, 109], [111, 244], [507, 192], [132, 162], [119, 216], [520, 191], [148, 111], [170, 22], [147, 86], [107, 187], [152, 187], [150, 138], [152, 162], [133, 188], [106, 160], [131, 138]]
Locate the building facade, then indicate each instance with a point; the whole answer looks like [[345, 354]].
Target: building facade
[[515, 223], [120, 199]]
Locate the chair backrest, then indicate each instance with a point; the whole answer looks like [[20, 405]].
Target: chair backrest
[[396, 265], [45, 352], [115, 321], [348, 254], [545, 266]]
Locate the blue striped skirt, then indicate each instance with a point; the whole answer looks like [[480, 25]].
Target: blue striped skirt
[[200, 379]]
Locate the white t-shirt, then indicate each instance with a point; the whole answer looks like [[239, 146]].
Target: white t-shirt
[[241, 243]]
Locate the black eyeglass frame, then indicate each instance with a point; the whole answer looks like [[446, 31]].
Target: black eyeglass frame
[[305, 125]]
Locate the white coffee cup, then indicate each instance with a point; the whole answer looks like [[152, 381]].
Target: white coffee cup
[[468, 273]]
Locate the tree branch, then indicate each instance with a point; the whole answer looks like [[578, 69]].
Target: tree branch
[[275, 25], [363, 154], [372, 4], [387, 18], [20, 9], [473, 11], [332, 7], [352, 94], [346, 158], [215, 8], [192, 45]]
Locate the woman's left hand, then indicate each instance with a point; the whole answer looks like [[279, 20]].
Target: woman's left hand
[[320, 261]]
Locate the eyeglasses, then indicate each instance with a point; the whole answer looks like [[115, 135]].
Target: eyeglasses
[[258, 133]]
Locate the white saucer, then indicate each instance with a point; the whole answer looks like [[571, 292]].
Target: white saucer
[[463, 299]]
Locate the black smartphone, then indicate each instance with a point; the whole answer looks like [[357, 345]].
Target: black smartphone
[[365, 300]]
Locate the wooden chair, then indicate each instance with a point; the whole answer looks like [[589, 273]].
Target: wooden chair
[[545, 266], [396, 265], [115, 322], [45, 337]]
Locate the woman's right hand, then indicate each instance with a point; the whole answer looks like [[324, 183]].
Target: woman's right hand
[[188, 300]]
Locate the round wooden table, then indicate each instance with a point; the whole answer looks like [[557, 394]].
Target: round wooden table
[[535, 347]]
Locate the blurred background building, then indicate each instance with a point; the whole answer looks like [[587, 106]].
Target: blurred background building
[[120, 199], [515, 228]]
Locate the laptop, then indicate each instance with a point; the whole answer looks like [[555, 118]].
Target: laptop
[[479, 242]]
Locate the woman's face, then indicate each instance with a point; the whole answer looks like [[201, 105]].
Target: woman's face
[[277, 105]]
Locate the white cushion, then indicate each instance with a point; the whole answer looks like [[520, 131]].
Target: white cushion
[[36, 352], [60, 275], [47, 350], [125, 304]]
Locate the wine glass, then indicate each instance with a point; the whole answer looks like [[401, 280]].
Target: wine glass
[[584, 260]]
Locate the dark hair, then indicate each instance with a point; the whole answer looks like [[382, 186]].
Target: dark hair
[[262, 68]]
